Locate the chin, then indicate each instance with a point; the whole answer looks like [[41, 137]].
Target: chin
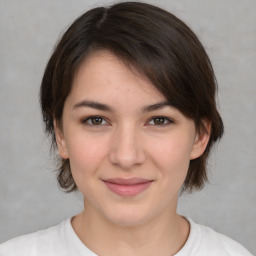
[[128, 216]]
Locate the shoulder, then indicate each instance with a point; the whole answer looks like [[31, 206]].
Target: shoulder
[[44, 242], [213, 243]]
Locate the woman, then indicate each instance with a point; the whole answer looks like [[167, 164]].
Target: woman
[[128, 98]]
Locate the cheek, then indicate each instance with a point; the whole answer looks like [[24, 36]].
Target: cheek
[[172, 155], [85, 154]]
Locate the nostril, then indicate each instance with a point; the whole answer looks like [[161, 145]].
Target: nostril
[[126, 150], [127, 158]]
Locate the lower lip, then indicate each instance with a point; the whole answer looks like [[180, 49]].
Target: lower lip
[[128, 190]]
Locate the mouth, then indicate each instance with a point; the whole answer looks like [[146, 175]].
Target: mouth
[[127, 187]]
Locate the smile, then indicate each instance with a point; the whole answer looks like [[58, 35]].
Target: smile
[[127, 187]]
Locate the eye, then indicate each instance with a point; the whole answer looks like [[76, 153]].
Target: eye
[[160, 121], [95, 121]]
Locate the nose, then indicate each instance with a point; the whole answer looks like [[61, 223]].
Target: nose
[[126, 148]]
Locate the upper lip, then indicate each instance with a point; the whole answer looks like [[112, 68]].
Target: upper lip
[[130, 181]]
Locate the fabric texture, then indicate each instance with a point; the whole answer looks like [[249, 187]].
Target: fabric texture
[[62, 240]]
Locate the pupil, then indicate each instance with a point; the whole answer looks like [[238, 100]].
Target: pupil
[[159, 120], [96, 120]]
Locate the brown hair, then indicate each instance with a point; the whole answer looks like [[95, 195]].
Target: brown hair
[[157, 44]]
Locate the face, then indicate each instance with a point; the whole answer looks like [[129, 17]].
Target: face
[[129, 150]]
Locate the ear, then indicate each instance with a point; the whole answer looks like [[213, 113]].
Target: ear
[[61, 143], [201, 139]]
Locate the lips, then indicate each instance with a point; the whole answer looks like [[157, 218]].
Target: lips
[[127, 187]]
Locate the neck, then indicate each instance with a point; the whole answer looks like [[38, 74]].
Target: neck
[[163, 235]]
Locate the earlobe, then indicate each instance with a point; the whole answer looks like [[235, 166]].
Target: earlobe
[[201, 140], [61, 143]]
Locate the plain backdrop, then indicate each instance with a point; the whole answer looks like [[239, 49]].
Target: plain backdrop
[[29, 196]]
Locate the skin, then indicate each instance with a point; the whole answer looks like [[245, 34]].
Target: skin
[[126, 140]]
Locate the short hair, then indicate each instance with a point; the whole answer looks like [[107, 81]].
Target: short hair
[[160, 46]]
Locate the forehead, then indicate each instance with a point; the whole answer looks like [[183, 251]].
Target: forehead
[[104, 75]]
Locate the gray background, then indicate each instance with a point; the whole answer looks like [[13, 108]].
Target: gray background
[[29, 196]]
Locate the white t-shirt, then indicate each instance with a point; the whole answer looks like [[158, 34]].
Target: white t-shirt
[[62, 240]]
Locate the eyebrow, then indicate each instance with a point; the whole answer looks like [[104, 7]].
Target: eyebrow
[[105, 107], [94, 105], [156, 106]]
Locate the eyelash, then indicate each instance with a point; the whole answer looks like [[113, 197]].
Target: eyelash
[[166, 121], [91, 118], [89, 121]]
